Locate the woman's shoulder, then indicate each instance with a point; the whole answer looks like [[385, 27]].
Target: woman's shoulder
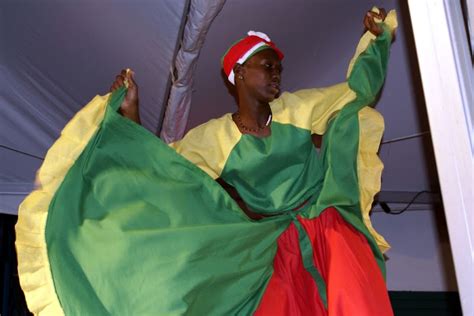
[[216, 132], [310, 108], [208, 145], [219, 125], [311, 95]]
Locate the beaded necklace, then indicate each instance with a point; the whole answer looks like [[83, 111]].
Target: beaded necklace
[[242, 126]]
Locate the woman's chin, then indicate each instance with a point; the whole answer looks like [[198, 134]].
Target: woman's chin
[[269, 95], [274, 96]]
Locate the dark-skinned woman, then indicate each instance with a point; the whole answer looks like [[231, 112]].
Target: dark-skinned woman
[[136, 226]]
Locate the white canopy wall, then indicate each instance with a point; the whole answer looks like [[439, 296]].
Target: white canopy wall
[[56, 55]]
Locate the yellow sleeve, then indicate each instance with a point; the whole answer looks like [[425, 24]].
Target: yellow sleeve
[[312, 108], [369, 167], [390, 23], [209, 145]]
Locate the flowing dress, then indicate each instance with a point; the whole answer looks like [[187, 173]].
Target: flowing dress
[[122, 223]]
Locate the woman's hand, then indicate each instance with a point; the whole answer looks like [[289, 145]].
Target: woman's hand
[[371, 25], [129, 106]]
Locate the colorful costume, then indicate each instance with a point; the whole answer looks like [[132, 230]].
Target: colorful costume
[[122, 224]]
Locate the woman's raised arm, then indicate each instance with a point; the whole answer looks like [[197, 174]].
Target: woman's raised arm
[[367, 69], [313, 108]]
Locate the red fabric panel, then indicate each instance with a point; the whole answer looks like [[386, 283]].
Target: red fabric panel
[[343, 257], [282, 296]]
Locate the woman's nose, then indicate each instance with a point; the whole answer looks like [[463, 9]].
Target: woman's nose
[[276, 74]]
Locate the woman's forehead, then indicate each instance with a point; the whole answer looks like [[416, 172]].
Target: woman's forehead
[[267, 54]]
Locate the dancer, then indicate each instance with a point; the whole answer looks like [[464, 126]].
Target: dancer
[[129, 225]]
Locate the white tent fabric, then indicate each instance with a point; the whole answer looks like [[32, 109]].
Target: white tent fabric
[[56, 55], [201, 15]]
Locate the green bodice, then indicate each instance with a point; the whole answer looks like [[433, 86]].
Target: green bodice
[[275, 173]]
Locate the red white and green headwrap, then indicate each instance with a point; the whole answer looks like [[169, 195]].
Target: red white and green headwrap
[[245, 48]]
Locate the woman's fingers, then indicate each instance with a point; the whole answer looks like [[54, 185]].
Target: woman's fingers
[[130, 77], [119, 81], [382, 14], [367, 21], [129, 106], [122, 78], [371, 25], [132, 93], [114, 86]]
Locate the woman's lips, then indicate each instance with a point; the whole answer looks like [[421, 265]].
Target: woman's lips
[[275, 85]]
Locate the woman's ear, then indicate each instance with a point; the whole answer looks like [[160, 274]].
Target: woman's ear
[[239, 71]]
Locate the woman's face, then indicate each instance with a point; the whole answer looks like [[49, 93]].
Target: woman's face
[[262, 75]]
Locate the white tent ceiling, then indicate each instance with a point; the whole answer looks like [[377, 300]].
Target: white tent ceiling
[[56, 55]]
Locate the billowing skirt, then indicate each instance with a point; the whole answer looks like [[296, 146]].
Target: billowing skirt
[[121, 224]]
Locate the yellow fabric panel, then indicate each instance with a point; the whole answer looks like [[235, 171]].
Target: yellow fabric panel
[[311, 109], [371, 127], [33, 264], [390, 21], [369, 166], [209, 145]]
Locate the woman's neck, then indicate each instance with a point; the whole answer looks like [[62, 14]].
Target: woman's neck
[[254, 120], [254, 114]]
